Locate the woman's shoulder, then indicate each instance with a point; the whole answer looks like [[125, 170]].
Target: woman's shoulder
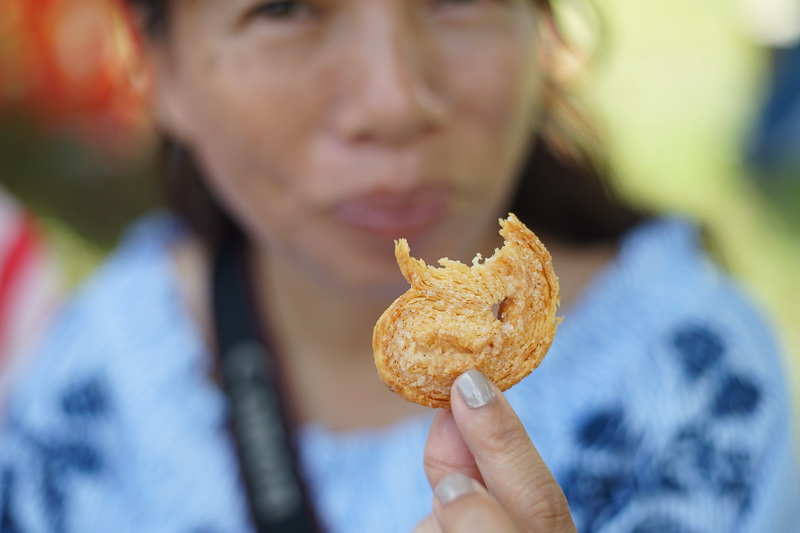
[[670, 387], [665, 335], [672, 313], [664, 274], [134, 288], [117, 325], [679, 288], [120, 391]]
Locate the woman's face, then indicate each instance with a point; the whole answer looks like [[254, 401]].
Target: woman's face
[[329, 128]]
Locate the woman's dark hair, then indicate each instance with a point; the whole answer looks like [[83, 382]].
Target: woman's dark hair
[[563, 190]]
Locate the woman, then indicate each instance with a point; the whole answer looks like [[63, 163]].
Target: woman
[[319, 132]]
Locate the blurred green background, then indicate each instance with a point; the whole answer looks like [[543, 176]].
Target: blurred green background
[[676, 88]]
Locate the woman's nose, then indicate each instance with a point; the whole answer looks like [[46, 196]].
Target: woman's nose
[[388, 94]]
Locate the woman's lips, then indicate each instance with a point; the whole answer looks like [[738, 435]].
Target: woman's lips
[[394, 215]]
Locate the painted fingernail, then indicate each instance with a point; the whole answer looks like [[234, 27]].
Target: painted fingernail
[[453, 486], [474, 388]]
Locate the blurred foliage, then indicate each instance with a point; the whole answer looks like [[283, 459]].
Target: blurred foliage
[[73, 123], [783, 194], [678, 90], [62, 178]]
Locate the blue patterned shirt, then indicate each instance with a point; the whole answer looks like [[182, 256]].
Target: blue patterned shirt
[[661, 408]]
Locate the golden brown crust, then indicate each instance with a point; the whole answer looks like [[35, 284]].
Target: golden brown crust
[[449, 321]]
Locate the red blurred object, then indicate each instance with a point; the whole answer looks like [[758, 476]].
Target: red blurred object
[[30, 288], [74, 65]]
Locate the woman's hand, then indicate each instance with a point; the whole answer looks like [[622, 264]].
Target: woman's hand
[[486, 473]]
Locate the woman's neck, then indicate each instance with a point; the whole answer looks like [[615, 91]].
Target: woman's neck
[[317, 323], [324, 338]]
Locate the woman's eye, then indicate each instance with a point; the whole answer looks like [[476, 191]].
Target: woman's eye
[[279, 9]]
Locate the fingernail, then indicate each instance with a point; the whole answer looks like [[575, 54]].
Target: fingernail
[[453, 486], [474, 388]]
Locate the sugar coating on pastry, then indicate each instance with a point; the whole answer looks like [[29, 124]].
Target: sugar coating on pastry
[[497, 316]]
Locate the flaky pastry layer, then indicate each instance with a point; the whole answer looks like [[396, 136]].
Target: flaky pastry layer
[[497, 316]]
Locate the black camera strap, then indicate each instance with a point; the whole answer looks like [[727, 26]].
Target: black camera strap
[[259, 417]]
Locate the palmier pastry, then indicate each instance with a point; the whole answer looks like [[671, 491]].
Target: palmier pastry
[[497, 316]]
